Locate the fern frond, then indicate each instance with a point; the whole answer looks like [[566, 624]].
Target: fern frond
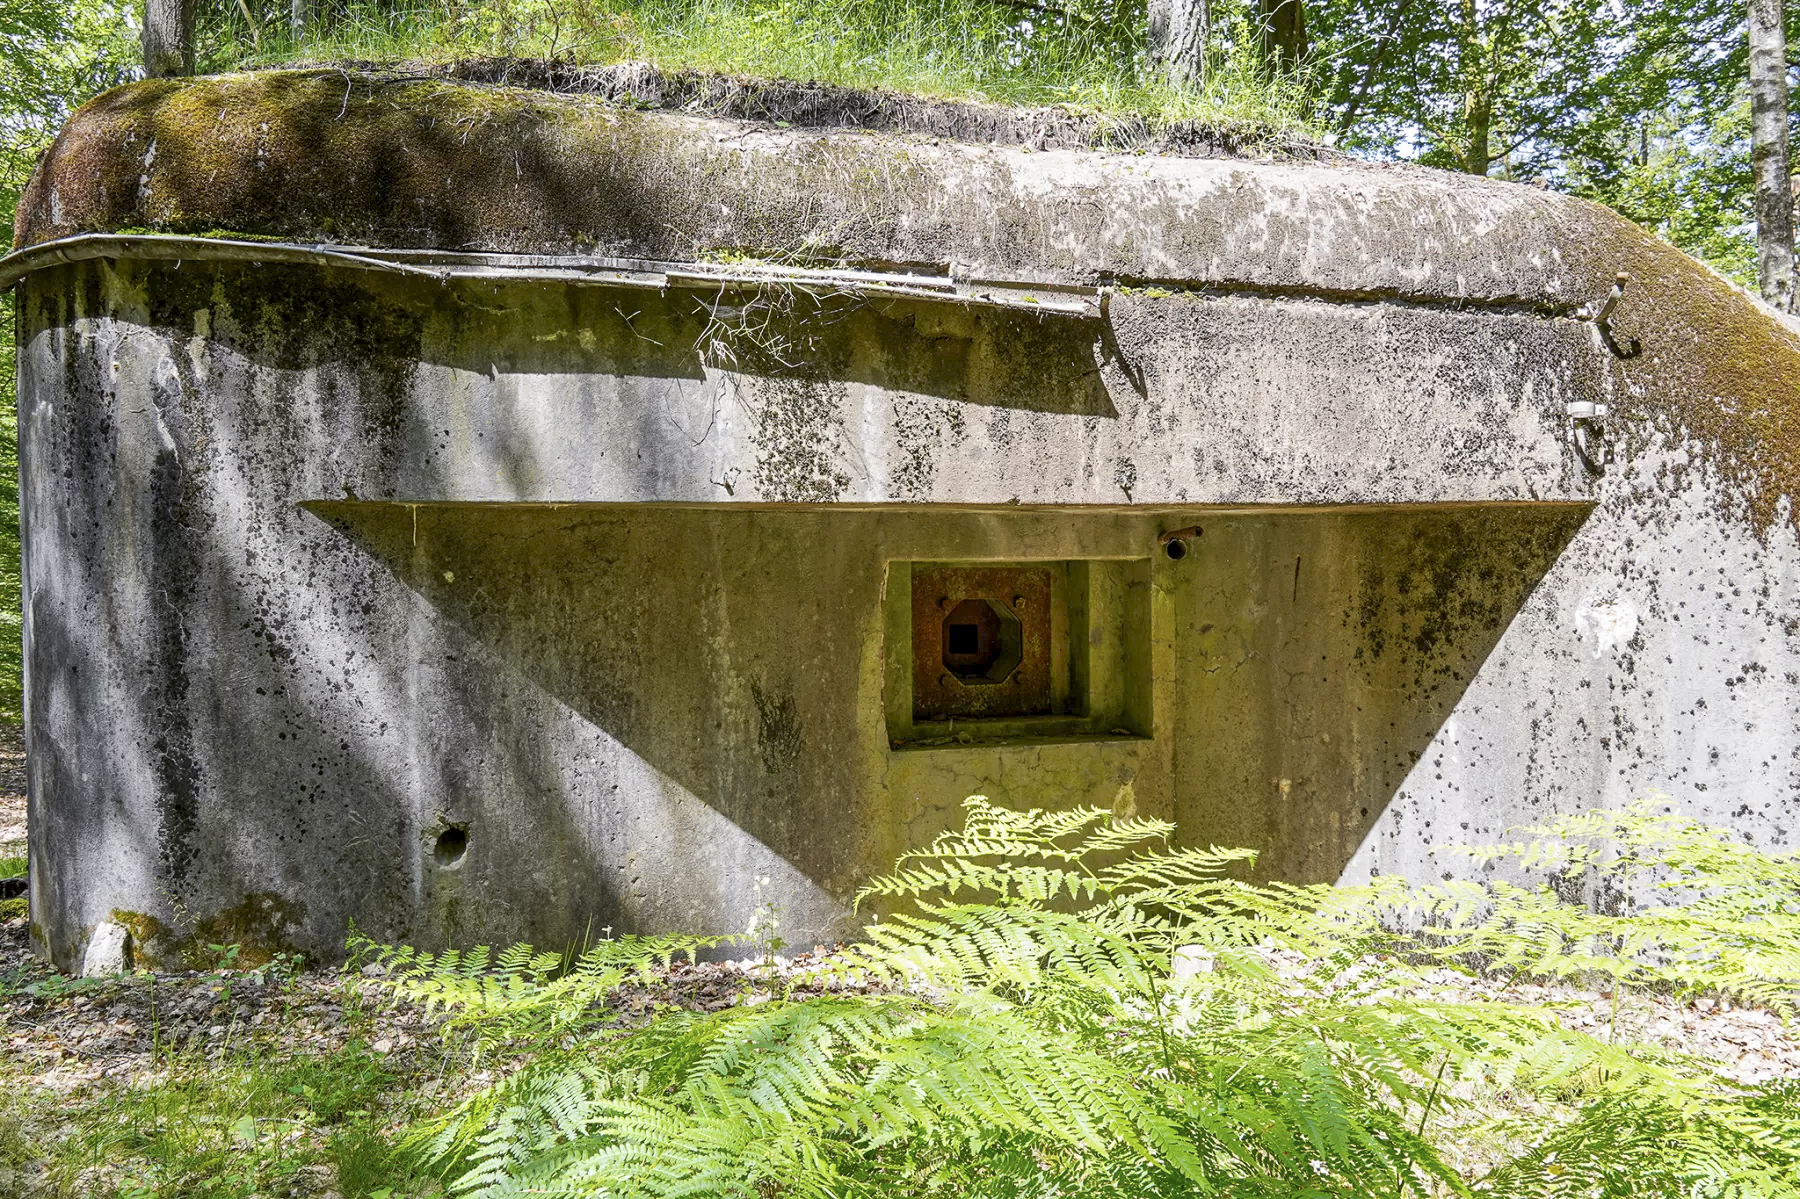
[[1065, 1004]]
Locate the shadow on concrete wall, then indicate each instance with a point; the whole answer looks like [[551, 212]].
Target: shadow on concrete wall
[[726, 652], [1322, 653], [293, 318], [1308, 657]]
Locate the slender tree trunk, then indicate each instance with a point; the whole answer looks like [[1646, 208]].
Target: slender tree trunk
[[1769, 153], [1478, 118], [1180, 31], [168, 38], [302, 16], [1283, 34], [1478, 94]]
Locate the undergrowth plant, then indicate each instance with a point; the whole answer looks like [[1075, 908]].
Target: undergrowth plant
[[1640, 897], [1091, 55], [1065, 1004]]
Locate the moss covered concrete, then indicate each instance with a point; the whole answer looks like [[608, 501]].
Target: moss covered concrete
[[348, 157]]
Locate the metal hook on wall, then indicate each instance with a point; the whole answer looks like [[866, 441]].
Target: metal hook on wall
[[1602, 319]]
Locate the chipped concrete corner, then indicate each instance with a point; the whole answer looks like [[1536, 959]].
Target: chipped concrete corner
[[457, 565]]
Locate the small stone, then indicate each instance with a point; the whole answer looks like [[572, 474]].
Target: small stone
[[383, 1046], [1191, 960], [108, 951]]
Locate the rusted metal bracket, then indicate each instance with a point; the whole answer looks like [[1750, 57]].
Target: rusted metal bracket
[[1602, 318]]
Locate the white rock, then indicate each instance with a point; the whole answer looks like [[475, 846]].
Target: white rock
[[1191, 960], [108, 951]]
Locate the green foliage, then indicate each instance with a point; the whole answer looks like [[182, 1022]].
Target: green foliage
[[54, 54], [12, 625], [1062, 1004], [1638, 103], [1544, 85], [1091, 55], [521, 992], [1690, 185], [1642, 899]]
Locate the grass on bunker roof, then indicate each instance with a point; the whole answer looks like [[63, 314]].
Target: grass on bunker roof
[[1011, 53]]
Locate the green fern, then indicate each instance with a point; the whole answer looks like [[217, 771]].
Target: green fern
[[1062, 1004], [1667, 903], [521, 992]]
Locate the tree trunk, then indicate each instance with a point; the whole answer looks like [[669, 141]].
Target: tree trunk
[[1283, 34], [168, 38], [1769, 153], [1389, 36], [302, 15], [1478, 94], [1478, 118], [1180, 31]]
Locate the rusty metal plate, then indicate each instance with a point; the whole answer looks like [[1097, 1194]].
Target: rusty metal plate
[[980, 642]]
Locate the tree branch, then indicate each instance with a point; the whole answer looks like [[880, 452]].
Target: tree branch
[[1388, 37]]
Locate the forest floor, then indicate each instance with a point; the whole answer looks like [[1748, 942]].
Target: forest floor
[[303, 1082], [12, 790], [245, 1083]]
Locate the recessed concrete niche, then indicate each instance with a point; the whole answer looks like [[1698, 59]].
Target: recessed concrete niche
[[622, 518], [1053, 650]]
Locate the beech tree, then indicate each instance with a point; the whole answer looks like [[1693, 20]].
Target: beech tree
[[1769, 153], [1282, 26], [1180, 33], [168, 37]]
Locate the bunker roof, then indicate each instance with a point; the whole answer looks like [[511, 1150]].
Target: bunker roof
[[348, 156]]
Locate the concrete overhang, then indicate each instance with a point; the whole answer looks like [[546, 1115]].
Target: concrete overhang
[[398, 173]]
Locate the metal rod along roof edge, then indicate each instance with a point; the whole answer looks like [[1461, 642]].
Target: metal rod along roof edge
[[446, 266]]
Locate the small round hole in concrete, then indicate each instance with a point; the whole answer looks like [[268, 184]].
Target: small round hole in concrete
[[451, 845], [1176, 549]]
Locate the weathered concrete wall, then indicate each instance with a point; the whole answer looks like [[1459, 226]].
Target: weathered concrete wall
[[321, 563]]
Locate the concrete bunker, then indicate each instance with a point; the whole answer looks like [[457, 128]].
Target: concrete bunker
[[568, 526]]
